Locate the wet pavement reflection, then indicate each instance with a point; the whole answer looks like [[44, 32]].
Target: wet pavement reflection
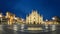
[[14, 32], [6, 30]]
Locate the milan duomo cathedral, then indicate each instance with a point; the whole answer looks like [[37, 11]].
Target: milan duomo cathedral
[[32, 18]]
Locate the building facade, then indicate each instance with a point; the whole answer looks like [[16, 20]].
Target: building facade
[[34, 18], [10, 16]]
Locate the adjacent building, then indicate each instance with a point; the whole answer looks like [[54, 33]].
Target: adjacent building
[[10, 16]]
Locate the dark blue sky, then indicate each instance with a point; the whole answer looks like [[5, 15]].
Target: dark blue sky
[[48, 8]]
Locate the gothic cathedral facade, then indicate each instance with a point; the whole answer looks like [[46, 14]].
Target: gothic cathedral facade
[[34, 18]]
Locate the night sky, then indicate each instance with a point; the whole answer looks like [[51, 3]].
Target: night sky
[[47, 8]]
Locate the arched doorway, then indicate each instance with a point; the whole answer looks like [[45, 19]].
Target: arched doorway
[[34, 22]]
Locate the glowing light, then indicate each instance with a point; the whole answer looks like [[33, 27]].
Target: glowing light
[[15, 18], [0, 15], [53, 18], [22, 26], [22, 19], [15, 27], [46, 19], [53, 27], [32, 28], [46, 26]]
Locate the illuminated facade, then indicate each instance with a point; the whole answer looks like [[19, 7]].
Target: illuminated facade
[[34, 18], [50, 22], [19, 20], [3, 20], [10, 16], [13, 19]]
